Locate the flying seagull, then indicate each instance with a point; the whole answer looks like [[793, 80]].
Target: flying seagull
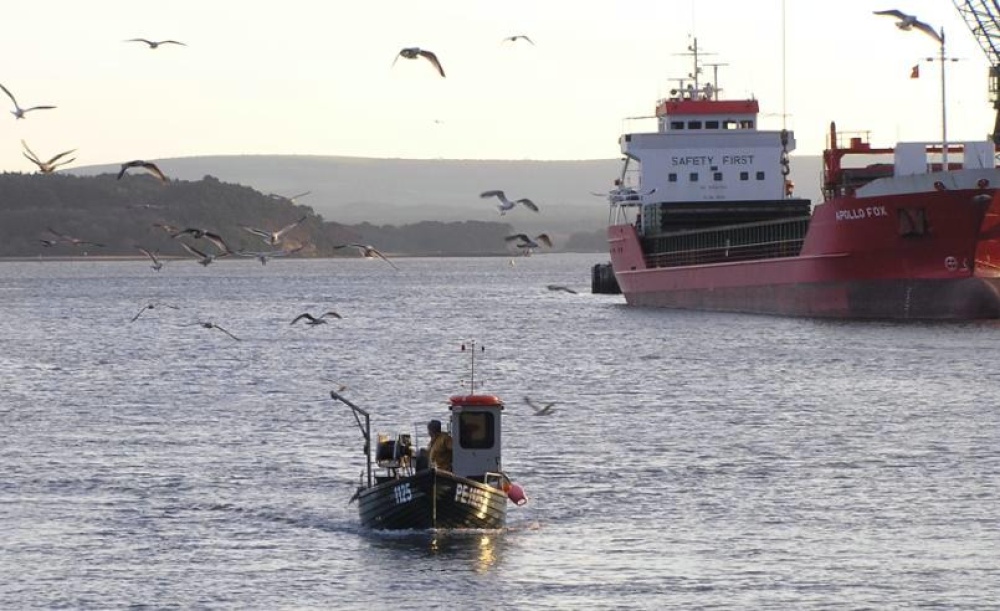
[[67, 239], [908, 22], [46, 167], [289, 199], [157, 264], [146, 165], [152, 306], [545, 410], [156, 43], [558, 287], [212, 325], [368, 251], [203, 258], [18, 112], [264, 256], [273, 237], [416, 53], [526, 242], [505, 204], [515, 37], [211, 236], [315, 320]]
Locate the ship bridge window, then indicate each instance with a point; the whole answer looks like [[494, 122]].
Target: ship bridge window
[[677, 125], [760, 176], [746, 124], [476, 430], [693, 177], [694, 124], [730, 124], [711, 125]]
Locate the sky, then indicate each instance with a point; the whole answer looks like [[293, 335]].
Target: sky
[[304, 77]]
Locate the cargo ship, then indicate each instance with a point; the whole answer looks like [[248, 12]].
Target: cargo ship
[[704, 216]]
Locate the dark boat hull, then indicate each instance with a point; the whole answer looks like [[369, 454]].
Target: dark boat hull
[[432, 499]]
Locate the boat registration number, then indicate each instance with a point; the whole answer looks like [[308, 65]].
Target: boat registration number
[[402, 493], [469, 495]]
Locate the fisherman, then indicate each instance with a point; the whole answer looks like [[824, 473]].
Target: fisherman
[[439, 448]]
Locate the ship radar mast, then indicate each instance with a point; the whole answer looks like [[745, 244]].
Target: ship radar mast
[[690, 87]]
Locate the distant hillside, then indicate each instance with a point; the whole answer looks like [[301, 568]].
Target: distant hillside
[[353, 190], [42, 214]]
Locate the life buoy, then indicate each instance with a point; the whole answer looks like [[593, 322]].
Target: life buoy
[[476, 400]]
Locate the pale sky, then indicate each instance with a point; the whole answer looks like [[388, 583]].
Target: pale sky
[[316, 77]]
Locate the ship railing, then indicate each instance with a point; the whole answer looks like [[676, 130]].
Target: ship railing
[[726, 253], [760, 240]]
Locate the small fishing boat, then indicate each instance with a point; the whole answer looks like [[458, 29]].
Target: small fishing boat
[[401, 490]]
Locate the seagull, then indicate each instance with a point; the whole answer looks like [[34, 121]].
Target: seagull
[[908, 22], [46, 167], [203, 258], [540, 411], [18, 112], [368, 251], [263, 256], [157, 264], [517, 36], [211, 236], [212, 325], [71, 240], [156, 43], [505, 204], [273, 237], [526, 242], [557, 287], [417, 52], [315, 320], [289, 199], [340, 387], [171, 229], [147, 165], [151, 306]]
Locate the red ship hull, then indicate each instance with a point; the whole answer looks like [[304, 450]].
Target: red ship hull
[[860, 259]]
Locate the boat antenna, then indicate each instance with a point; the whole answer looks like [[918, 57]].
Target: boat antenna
[[472, 365]]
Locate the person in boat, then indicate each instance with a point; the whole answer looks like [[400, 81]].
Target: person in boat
[[439, 448]]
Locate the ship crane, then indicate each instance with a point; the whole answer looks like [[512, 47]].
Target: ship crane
[[982, 17]]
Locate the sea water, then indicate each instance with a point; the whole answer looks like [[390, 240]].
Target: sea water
[[692, 460]]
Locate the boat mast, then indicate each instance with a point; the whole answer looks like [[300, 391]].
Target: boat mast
[[472, 375], [366, 429]]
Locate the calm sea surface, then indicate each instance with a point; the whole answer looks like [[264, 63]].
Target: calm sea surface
[[693, 460]]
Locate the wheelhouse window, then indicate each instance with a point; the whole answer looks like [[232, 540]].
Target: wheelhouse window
[[694, 125], [476, 430], [711, 125], [677, 125]]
